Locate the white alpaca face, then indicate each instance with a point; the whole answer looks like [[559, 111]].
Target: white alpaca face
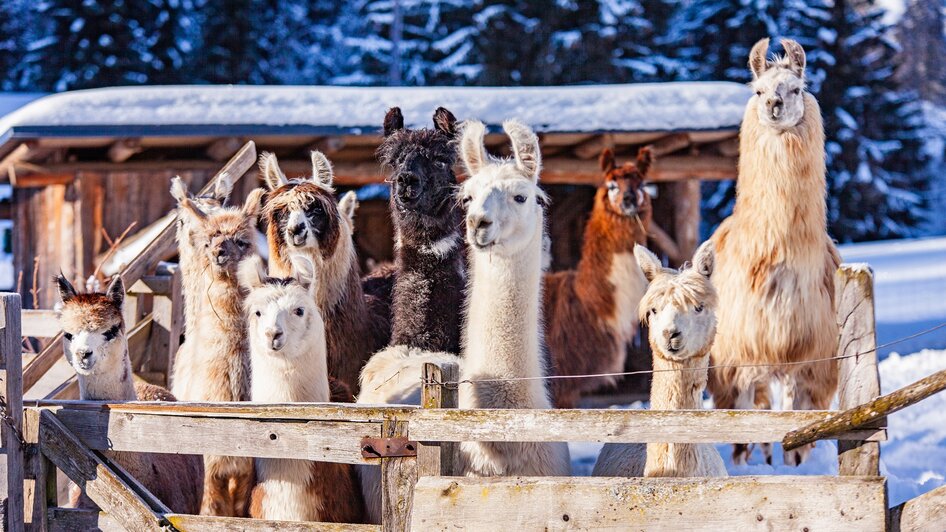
[[502, 209], [780, 98], [88, 351], [279, 315], [683, 332]]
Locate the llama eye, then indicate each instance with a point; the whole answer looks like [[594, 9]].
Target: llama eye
[[653, 312], [796, 92], [466, 200], [258, 313], [67, 336], [698, 309], [520, 198], [243, 244], [299, 311], [111, 334], [758, 93]]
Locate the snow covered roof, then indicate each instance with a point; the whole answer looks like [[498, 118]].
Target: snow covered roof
[[307, 110], [11, 101]]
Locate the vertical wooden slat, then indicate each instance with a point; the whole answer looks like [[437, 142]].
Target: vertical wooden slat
[[859, 381], [438, 458], [10, 359], [398, 476], [686, 216], [167, 310]]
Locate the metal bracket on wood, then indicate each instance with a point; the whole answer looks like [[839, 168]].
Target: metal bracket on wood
[[388, 447]]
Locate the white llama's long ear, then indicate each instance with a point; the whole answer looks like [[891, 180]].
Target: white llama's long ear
[[304, 271], [178, 189], [66, 290], [796, 56], [272, 174], [348, 205], [648, 262], [116, 291], [253, 204], [525, 148], [322, 171], [251, 273], [223, 187], [757, 58], [704, 260], [186, 206], [472, 151]]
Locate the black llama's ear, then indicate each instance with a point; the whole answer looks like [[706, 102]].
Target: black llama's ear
[[705, 259], [606, 160], [757, 58], [66, 290], [648, 262], [796, 56], [116, 291], [445, 121], [645, 158], [393, 121]]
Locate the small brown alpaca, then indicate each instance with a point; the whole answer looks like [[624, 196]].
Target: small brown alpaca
[[680, 311], [96, 347], [303, 220], [591, 311], [213, 362], [775, 261]]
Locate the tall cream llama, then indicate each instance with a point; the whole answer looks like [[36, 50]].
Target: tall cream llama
[[775, 262], [680, 310], [502, 337], [289, 364], [97, 348], [213, 362]]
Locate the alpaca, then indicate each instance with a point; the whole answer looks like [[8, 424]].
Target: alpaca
[[303, 219], [502, 338], [680, 310], [590, 311], [96, 347], [289, 364], [213, 362], [775, 261]]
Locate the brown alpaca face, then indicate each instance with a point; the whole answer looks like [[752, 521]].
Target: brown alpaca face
[[625, 184], [91, 324], [302, 216], [227, 238]]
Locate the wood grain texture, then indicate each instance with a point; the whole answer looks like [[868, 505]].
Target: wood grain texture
[[398, 476], [926, 513], [439, 458], [809, 503], [235, 524], [73, 519], [246, 409], [11, 363], [42, 323]]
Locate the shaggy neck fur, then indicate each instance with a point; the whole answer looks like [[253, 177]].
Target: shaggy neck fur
[[111, 379]]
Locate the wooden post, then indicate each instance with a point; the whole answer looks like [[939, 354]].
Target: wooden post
[[859, 381], [438, 458], [167, 310], [12, 426], [41, 489], [398, 476], [686, 215]]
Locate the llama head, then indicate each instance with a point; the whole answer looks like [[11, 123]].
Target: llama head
[[501, 197], [679, 307], [301, 214], [624, 185], [422, 180], [779, 84], [221, 236], [93, 327], [280, 312]]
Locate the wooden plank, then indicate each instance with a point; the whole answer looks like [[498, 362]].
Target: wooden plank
[[686, 216], [123, 149], [236, 524], [68, 390], [10, 353], [44, 179], [246, 409], [924, 513], [329, 441], [398, 476], [583, 503], [152, 284], [144, 261], [110, 492], [439, 458], [73, 519], [168, 325], [222, 149], [138, 338], [42, 323], [669, 144], [591, 148]]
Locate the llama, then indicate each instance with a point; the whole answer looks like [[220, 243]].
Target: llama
[[680, 310], [213, 362], [289, 364], [502, 338], [96, 347], [303, 220], [590, 311], [775, 261]]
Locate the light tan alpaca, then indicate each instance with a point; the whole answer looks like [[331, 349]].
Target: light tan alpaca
[[680, 310], [213, 362], [775, 263], [96, 347], [288, 354]]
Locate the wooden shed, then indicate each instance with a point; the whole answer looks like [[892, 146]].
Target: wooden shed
[[85, 165]]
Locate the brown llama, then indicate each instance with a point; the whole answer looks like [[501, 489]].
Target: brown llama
[[304, 220], [591, 311], [775, 261], [213, 362], [97, 348]]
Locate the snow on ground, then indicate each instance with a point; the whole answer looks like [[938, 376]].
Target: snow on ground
[[637, 107]]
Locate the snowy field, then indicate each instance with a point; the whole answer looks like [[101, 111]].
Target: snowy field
[[910, 285]]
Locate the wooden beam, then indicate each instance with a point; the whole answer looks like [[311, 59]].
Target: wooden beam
[[138, 339], [68, 390], [248, 410], [670, 144], [686, 216], [236, 524], [591, 148], [159, 285], [398, 476], [43, 179], [666, 243], [123, 149], [439, 458], [222, 149], [72, 519], [926, 512], [167, 327], [17, 155], [746, 503], [12, 427], [328, 145], [40, 323]]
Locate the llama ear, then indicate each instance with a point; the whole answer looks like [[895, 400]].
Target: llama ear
[[178, 189], [272, 174], [525, 147], [66, 290], [116, 291], [186, 206], [757, 61], [796, 56], [606, 160], [445, 121], [303, 270], [705, 259], [322, 172], [393, 121], [348, 205], [645, 158], [253, 203], [648, 262], [472, 150], [251, 273], [223, 187]]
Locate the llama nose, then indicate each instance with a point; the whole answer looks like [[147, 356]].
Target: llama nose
[[672, 334], [298, 233], [83, 354], [275, 337], [479, 222]]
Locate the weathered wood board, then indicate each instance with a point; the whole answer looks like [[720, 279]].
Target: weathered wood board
[[203, 523]]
